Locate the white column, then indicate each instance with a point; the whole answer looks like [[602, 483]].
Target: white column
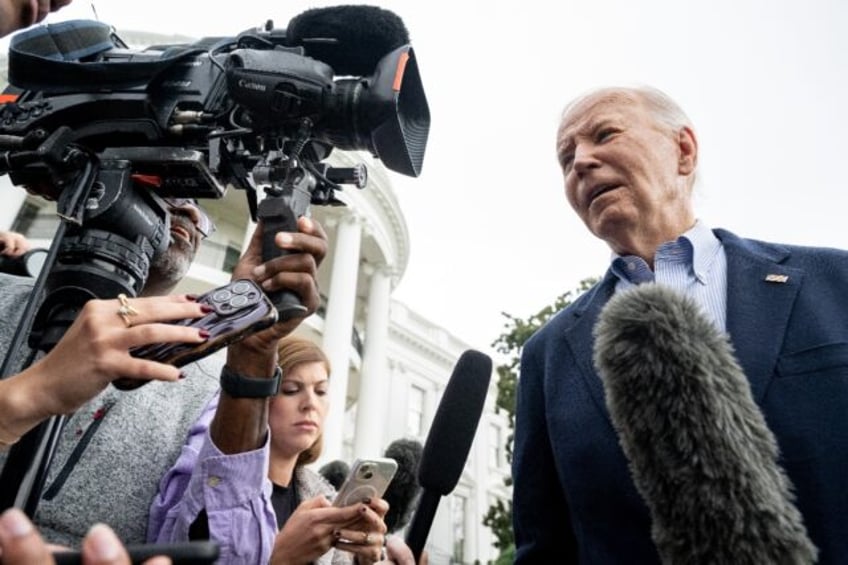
[[338, 328], [13, 198], [472, 524], [432, 398], [373, 398], [483, 539]]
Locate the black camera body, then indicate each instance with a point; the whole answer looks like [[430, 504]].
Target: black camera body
[[129, 125], [201, 116], [108, 131]]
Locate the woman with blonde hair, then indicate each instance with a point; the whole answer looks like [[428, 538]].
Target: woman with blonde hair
[[284, 515]]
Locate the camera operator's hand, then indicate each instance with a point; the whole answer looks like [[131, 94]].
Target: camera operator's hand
[[93, 352], [21, 544], [18, 14], [241, 424], [13, 244], [296, 271]]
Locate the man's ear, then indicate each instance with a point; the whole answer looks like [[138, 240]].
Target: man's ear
[[687, 143]]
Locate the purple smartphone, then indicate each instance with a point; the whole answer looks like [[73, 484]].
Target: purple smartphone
[[240, 308]]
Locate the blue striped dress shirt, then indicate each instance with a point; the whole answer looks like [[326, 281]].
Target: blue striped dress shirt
[[695, 265]]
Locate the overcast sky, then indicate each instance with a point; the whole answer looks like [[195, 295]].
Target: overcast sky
[[765, 83]]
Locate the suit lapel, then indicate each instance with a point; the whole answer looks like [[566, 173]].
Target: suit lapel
[[761, 291], [760, 294], [581, 340]]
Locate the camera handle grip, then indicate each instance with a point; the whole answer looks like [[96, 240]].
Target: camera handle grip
[[277, 215]]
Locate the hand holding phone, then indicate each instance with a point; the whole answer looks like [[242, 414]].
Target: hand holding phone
[[368, 478], [239, 309]]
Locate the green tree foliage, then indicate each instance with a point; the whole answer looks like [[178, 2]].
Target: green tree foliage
[[507, 557], [499, 520], [510, 344]]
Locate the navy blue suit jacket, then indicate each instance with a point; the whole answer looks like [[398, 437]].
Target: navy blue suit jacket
[[574, 500]]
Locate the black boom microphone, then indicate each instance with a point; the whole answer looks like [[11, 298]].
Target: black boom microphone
[[449, 441], [700, 452], [351, 39]]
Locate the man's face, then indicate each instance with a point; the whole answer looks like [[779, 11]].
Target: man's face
[[189, 225], [624, 173]]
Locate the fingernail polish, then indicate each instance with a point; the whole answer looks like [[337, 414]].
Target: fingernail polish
[[205, 308], [182, 376], [203, 334], [192, 297]]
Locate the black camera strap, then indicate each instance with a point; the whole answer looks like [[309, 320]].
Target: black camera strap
[[51, 58]]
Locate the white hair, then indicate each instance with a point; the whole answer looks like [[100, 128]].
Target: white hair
[[660, 104]]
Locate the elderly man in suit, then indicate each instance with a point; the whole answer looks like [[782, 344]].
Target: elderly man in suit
[[628, 157]]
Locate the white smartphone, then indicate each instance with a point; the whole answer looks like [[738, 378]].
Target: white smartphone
[[368, 478]]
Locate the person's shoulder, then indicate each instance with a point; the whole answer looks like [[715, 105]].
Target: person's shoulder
[[790, 253], [819, 257], [14, 285], [14, 294], [556, 323], [563, 319]]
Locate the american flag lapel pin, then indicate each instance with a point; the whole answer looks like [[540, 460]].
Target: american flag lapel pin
[[775, 278]]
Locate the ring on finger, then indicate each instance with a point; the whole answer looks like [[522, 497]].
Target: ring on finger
[[126, 311]]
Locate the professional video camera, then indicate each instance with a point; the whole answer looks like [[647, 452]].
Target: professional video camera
[[111, 131]]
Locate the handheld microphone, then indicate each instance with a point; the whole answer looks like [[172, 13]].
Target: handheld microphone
[[351, 39], [699, 449], [449, 441], [404, 488]]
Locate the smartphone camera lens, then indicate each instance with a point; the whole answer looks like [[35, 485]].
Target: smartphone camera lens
[[221, 296], [240, 288], [239, 301]]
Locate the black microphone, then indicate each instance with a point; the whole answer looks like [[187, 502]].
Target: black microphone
[[699, 449], [403, 491], [351, 39], [449, 441]]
